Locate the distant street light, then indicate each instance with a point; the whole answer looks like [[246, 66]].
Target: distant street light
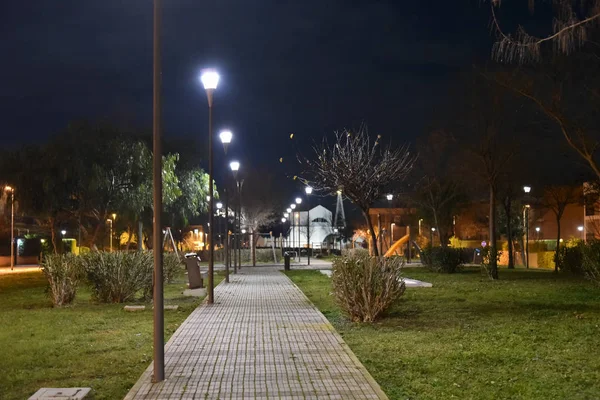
[[298, 200], [431, 236], [235, 167], [308, 190], [390, 197], [225, 137], [288, 210], [580, 229], [210, 80], [110, 223], [283, 220], [63, 232], [526, 189], [293, 206], [11, 190]]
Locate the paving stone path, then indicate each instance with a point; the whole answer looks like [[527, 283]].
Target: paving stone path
[[262, 339]]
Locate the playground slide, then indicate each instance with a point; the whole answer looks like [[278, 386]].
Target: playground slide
[[395, 246]]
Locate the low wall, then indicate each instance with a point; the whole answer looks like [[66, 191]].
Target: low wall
[[5, 260]]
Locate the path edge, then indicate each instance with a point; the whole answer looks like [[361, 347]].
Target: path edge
[[380, 393]]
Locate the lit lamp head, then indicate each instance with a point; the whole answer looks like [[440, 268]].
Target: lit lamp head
[[219, 205], [286, 215], [8, 188], [537, 229], [580, 228], [114, 216], [63, 232], [283, 220], [225, 137], [335, 230], [390, 197], [432, 229], [298, 200], [210, 79], [243, 231], [288, 210], [293, 206], [308, 190], [207, 198], [527, 189], [235, 167]]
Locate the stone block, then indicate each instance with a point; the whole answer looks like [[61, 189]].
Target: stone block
[[199, 292], [61, 394], [134, 308]]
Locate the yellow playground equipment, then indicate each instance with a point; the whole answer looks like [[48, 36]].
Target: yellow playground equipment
[[396, 245]]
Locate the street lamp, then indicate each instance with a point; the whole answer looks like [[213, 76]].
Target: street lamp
[[308, 191], [431, 237], [580, 229], [537, 231], [288, 210], [526, 189], [12, 225], [283, 220], [235, 167], [210, 80], [110, 224], [390, 197], [225, 137], [293, 206], [63, 232]]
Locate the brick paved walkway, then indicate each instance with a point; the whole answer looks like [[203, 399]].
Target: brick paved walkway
[[262, 339]]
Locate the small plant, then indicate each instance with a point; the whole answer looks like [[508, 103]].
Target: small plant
[[570, 258], [591, 261], [443, 259], [117, 277], [365, 286], [171, 264], [63, 272]]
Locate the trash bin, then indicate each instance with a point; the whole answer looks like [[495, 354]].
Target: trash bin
[[192, 265], [286, 261]]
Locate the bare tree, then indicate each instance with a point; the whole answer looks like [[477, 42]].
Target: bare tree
[[440, 191], [556, 199], [572, 26], [362, 169], [259, 204]]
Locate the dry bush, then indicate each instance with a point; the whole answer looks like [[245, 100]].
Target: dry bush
[[63, 272], [365, 286]]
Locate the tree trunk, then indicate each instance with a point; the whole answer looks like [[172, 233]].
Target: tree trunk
[[372, 232], [53, 235], [557, 243], [493, 250], [507, 209], [129, 236], [140, 238]]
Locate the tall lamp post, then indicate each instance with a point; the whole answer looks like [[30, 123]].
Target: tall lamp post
[[225, 137], [526, 189], [308, 191], [298, 202], [389, 198], [110, 222], [210, 80], [11, 190], [235, 167]]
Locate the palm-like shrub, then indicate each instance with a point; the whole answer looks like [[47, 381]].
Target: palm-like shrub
[[365, 286], [63, 272]]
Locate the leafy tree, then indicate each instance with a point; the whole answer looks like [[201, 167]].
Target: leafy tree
[[364, 170]]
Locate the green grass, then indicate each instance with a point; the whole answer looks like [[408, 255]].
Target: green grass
[[530, 335], [85, 344]]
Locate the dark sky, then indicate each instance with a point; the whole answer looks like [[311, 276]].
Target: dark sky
[[303, 67]]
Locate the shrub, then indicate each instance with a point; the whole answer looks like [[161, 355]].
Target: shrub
[[171, 264], [570, 258], [117, 277], [365, 286], [356, 252], [591, 261], [443, 259], [545, 259], [63, 272]]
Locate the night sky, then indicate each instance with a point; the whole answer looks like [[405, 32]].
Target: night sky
[[287, 67]]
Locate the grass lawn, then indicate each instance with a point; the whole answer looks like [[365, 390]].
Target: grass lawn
[[85, 344], [530, 335]]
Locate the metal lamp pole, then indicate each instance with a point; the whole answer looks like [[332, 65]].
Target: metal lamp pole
[[210, 80], [110, 233], [225, 137], [526, 189], [390, 197], [159, 322], [12, 225], [234, 166], [308, 191], [298, 202]]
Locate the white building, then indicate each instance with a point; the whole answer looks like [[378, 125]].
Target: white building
[[320, 230]]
